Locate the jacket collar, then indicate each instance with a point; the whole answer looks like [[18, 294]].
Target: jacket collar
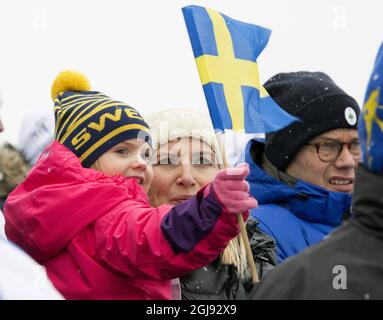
[[306, 201]]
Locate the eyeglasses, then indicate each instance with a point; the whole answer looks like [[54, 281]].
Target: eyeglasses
[[329, 151]]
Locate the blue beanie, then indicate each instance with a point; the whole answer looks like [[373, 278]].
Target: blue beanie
[[371, 120]]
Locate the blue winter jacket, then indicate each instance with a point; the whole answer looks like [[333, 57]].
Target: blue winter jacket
[[296, 217]]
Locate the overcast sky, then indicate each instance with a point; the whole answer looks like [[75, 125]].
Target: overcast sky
[[139, 51]]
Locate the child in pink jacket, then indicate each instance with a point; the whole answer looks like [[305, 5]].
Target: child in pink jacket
[[83, 213]]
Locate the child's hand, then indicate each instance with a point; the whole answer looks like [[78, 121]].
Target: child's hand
[[232, 190]]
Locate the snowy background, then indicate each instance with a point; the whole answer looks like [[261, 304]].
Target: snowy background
[[139, 51]]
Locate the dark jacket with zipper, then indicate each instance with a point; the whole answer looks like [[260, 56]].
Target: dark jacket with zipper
[[219, 281], [348, 264]]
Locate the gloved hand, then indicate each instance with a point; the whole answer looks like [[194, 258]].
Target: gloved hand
[[232, 190]]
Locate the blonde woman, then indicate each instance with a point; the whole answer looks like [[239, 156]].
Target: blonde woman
[[187, 157]]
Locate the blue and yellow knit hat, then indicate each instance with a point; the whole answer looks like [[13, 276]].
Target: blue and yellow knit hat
[[89, 123], [371, 120]]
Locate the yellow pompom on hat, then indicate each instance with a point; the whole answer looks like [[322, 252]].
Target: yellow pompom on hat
[[89, 123], [69, 81]]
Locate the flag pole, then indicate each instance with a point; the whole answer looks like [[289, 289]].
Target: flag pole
[[243, 233]]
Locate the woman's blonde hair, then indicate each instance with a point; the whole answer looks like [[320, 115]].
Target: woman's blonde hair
[[235, 252], [171, 124]]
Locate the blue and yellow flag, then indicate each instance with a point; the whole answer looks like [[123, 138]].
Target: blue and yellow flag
[[371, 121], [226, 52]]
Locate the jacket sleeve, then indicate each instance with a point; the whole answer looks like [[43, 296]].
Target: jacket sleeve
[[165, 242]]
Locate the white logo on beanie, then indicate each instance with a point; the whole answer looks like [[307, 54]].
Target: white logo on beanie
[[350, 115]]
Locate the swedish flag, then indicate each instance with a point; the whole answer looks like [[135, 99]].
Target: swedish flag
[[371, 122], [226, 52]]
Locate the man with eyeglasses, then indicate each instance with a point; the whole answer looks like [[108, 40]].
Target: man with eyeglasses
[[303, 176], [348, 264]]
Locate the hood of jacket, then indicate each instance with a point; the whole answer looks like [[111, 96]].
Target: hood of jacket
[[305, 200], [37, 214]]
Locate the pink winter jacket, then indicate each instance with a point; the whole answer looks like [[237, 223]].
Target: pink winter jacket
[[99, 238]]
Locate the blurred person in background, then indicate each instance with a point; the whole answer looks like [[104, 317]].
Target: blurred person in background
[[13, 170], [36, 133]]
